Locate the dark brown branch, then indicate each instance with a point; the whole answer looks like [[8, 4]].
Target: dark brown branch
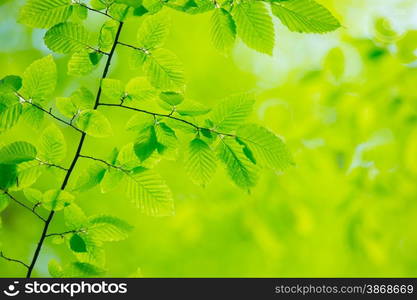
[[13, 260]]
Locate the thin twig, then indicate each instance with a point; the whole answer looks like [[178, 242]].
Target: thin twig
[[98, 11], [106, 163], [62, 233], [49, 112], [144, 50], [13, 260], [31, 209], [51, 165], [169, 116]]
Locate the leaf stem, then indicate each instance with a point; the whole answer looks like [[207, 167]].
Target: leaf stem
[[76, 156], [98, 11], [31, 209], [62, 233], [169, 116], [105, 162], [13, 260]]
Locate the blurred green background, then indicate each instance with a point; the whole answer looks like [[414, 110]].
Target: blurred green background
[[346, 104]]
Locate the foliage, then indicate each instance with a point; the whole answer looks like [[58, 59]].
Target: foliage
[[163, 116]]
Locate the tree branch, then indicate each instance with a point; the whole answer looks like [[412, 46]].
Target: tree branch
[[49, 112], [76, 156], [51, 165], [169, 116], [63, 233], [144, 50], [31, 209], [13, 260], [97, 11], [106, 163]]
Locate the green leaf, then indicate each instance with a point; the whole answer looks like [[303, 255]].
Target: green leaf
[[201, 162], [153, 31], [83, 98], [334, 63], [13, 82], [172, 98], [139, 89], [90, 178], [112, 89], [75, 218], [146, 143], [107, 35], [67, 38], [39, 79], [150, 192], [52, 146], [232, 112], [8, 175], [9, 116], [223, 30], [4, 201], [55, 269], [254, 25], [56, 199], [108, 228], [77, 244], [17, 152], [45, 13], [137, 59], [80, 64], [111, 180], [28, 173], [268, 149], [33, 195], [139, 122], [82, 269], [94, 123], [80, 11], [164, 70], [66, 107], [192, 109], [305, 16], [240, 169], [246, 150]]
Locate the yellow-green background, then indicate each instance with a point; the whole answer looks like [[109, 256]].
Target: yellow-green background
[[348, 207]]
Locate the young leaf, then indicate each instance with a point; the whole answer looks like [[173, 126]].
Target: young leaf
[[52, 146], [67, 38], [139, 122], [75, 218], [107, 35], [223, 30], [90, 178], [267, 148], [172, 98], [139, 89], [77, 244], [111, 180], [66, 107], [45, 13], [12, 82], [150, 192], [9, 116], [33, 195], [201, 162], [112, 89], [82, 269], [153, 32], [39, 79], [17, 152], [94, 123], [254, 25], [108, 228], [8, 175], [4, 201], [232, 112], [83, 98], [240, 169], [305, 16], [27, 174], [80, 64], [146, 143], [192, 109], [56, 199], [164, 70], [55, 269]]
